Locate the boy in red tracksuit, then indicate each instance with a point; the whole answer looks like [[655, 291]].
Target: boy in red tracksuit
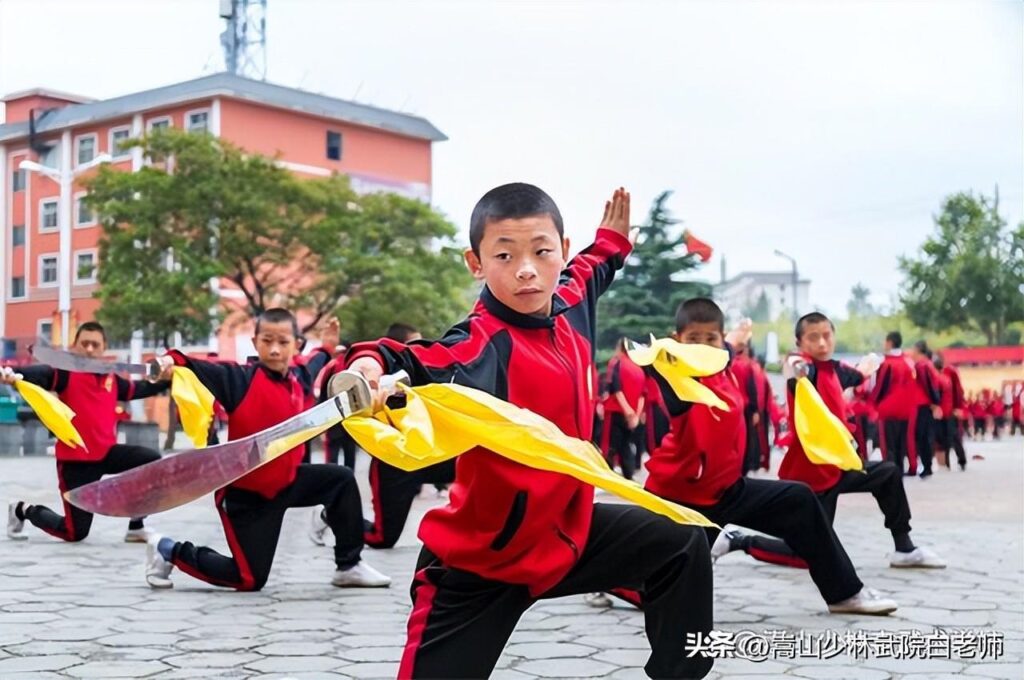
[[1016, 407], [861, 412], [926, 398], [94, 399], [252, 508], [511, 534], [815, 337], [699, 464], [893, 400], [623, 411], [952, 405], [657, 424], [392, 490], [743, 370]]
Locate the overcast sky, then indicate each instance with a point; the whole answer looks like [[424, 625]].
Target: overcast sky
[[829, 130]]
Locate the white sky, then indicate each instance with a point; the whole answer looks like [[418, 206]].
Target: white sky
[[828, 129]]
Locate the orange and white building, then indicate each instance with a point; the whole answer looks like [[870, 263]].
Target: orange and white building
[[50, 141]]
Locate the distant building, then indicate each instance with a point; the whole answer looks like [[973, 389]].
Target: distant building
[[48, 249], [768, 292]]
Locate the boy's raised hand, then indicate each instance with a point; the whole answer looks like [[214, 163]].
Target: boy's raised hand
[[616, 215], [330, 336]]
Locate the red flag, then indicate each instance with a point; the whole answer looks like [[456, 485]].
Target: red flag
[[695, 245]]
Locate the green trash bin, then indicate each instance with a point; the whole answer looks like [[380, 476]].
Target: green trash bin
[[9, 403]]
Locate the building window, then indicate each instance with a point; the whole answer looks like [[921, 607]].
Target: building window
[[18, 180], [118, 136], [17, 235], [85, 267], [159, 123], [17, 286], [84, 215], [48, 215], [197, 121], [334, 145], [85, 149], [46, 330], [47, 270]]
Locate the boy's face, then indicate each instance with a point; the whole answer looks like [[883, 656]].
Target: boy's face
[[275, 344], [701, 333], [520, 261], [818, 341], [90, 344]]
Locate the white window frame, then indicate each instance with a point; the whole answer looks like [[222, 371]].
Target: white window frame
[[78, 196], [39, 272], [189, 114], [95, 265], [39, 328], [116, 154], [159, 119], [24, 288], [43, 229], [95, 147]]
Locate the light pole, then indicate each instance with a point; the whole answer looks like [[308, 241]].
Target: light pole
[[796, 280], [64, 176]]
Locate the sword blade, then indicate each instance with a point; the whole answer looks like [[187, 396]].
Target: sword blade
[[69, 361]]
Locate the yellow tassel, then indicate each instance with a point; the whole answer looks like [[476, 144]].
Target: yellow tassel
[[440, 422], [825, 439], [195, 405], [52, 412], [679, 364]]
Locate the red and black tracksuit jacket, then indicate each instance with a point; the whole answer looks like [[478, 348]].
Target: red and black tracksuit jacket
[[255, 398], [94, 399], [505, 521], [829, 378]]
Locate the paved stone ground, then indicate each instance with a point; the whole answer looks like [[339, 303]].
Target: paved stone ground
[[84, 611]]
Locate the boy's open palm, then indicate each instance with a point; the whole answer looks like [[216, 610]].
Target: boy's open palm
[[616, 214]]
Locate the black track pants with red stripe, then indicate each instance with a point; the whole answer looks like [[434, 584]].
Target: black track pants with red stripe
[[393, 492], [794, 514], [252, 526], [460, 622], [75, 523], [882, 479]]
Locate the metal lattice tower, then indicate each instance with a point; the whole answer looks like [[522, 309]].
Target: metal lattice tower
[[245, 38]]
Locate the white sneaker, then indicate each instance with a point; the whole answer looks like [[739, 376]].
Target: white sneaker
[[598, 600], [158, 570], [723, 544], [137, 535], [317, 526], [918, 558], [867, 601], [362, 575], [15, 526]]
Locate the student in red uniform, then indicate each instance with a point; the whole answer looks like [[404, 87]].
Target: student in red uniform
[[926, 397], [392, 489], [892, 398], [657, 420], [510, 534], [252, 508], [952, 405], [94, 399], [623, 411], [743, 371], [996, 414], [1016, 407], [861, 414], [699, 465]]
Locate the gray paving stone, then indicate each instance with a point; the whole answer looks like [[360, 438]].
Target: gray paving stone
[[370, 670], [371, 654], [287, 664], [21, 664], [1010, 671], [217, 644], [839, 672], [139, 639], [545, 650], [117, 669], [210, 660], [295, 649], [563, 668]]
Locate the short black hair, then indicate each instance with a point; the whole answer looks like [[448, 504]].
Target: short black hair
[[922, 347], [699, 310], [94, 326], [509, 202], [401, 332], [807, 319], [895, 338], [939, 363], [278, 315]]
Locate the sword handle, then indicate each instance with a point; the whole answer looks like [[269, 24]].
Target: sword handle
[[389, 383]]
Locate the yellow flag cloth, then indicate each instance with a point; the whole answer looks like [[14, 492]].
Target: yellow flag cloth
[[195, 405], [825, 439], [440, 422], [54, 413], [679, 364]]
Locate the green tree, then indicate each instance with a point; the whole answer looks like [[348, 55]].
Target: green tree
[[759, 311], [969, 273], [314, 245], [646, 292], [859, 305]]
